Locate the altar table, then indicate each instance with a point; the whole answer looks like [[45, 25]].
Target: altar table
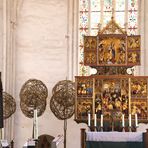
[[114, 139]]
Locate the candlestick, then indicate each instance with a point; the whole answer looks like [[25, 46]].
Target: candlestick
[[136, 120], [130, 120], [123, 123], [88, 118], [101, 120]]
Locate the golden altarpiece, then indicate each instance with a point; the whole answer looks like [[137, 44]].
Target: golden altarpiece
[[113, 90]]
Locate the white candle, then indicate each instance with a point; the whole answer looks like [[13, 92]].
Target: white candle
[[88, 118], [101, 120], [35, 122], [136, 120], [95, 120], [2, 131], [123, 124], [37, 130], [130, 120]]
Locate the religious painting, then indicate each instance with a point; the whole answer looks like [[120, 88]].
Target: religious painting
[[98, 97], [115, 97], [111, 95], [84, 87], [133, 42], [90, 50], [139, 107], [90, 42], [112, 50], [133, 46], [133, 57], [90, 57], [125, 96], [83, 107], [98, 105], [139, 88]]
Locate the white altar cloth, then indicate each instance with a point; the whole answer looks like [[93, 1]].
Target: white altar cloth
[[115, 136]]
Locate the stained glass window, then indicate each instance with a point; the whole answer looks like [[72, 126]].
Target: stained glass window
[[95, 14]]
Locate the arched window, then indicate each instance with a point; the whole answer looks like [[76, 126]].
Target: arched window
[[95, 14]]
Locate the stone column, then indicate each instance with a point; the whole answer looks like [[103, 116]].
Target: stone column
[[72, 39], [8, 61]]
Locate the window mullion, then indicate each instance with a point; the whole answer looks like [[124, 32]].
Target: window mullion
[[101, 14], [138, 18], [114, 8], [126, 15], [89, 16]]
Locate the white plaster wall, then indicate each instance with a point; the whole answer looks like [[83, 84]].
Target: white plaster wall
[[41, 53], [1, 33]]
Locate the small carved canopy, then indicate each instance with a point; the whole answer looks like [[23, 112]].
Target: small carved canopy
[[112, 47]]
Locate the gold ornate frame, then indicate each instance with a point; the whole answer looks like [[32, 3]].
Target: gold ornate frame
[[111, 96]]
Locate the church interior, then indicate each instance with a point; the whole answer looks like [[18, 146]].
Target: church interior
[[71, 66]]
